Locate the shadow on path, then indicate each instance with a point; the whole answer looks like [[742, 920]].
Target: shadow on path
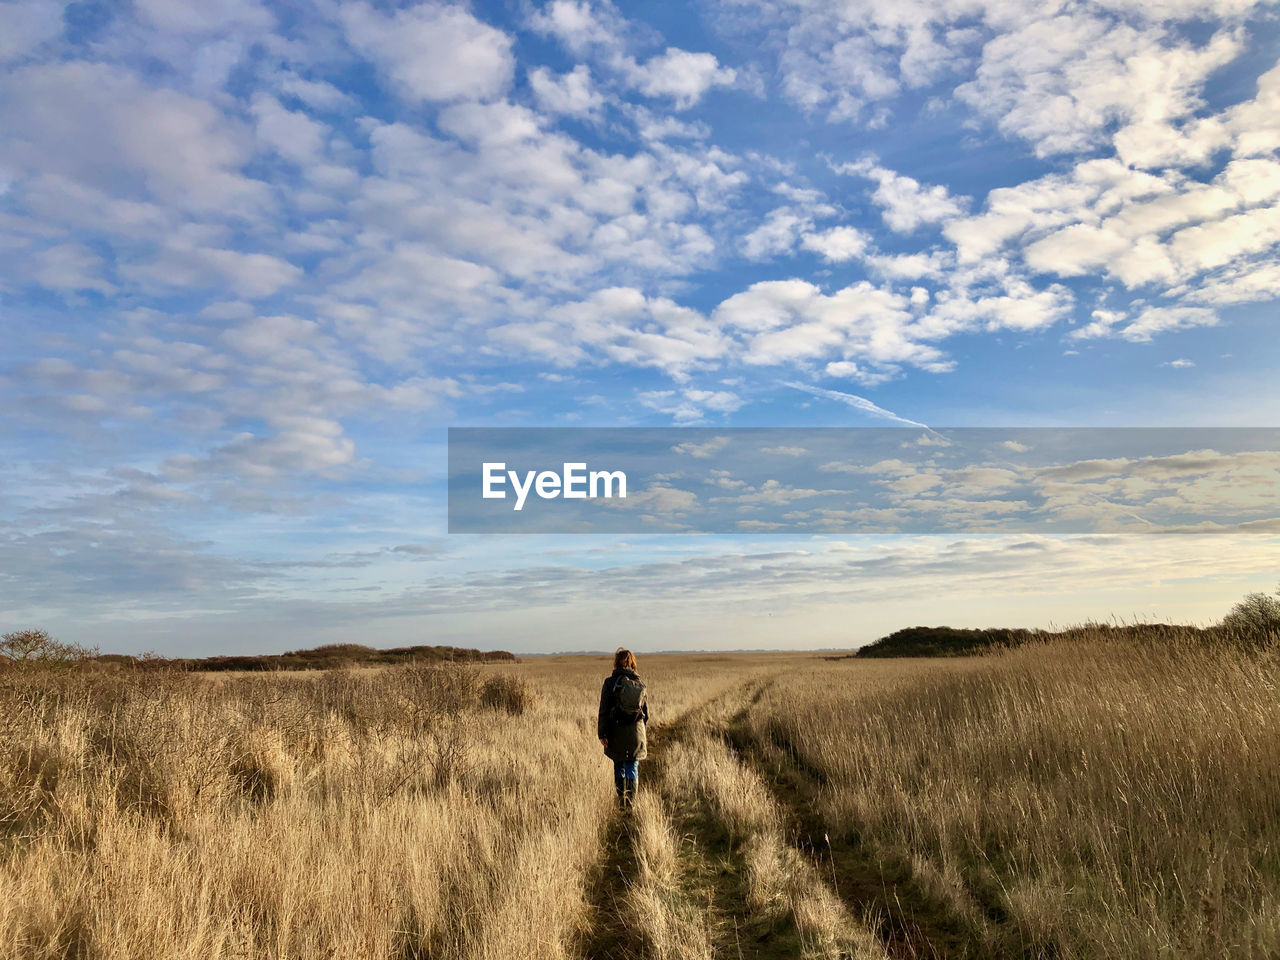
[[609, 937]]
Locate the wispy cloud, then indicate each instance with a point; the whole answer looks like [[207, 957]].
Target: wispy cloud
[[855, 401]]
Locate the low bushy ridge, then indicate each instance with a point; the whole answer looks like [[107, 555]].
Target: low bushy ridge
[[960, 641], [328, 657], [1253, 622]]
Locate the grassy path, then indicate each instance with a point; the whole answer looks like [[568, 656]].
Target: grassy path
[[620, 930], [609, 937], [700, 868], [715, 871]]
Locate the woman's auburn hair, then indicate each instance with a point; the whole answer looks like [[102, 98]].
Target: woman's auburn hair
[[624, 659]]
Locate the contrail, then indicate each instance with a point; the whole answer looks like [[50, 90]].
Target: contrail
[[853, 400]]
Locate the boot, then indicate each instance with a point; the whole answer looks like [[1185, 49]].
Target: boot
[[620, 785], [629, 792]]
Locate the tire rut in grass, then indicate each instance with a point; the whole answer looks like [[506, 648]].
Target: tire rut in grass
[[912, 924], [715, 869], [609, 937]]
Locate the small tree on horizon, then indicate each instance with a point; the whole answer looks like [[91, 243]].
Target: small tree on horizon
[[1256, 613], [37, 647]]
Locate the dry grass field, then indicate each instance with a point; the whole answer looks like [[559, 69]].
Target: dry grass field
[[1081, 799]]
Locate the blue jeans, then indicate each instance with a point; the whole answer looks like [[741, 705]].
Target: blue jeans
[[625, 770]]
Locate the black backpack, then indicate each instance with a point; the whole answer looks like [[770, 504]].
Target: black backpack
[[628, 698]]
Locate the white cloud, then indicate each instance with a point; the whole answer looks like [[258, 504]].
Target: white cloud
[[1148, 323], [569, 93], [1049, 201], [1103, 219], [913, 266], [776, 235], [410, 274], [691, 406], [578, 24], [184, 264], [664, 501], [1022, 309], [537, 205], [844, 369], [838, 244], [299, 444], [69, 267], [1155, 320], [1060, 81], [291, 134], [1253, 126], [1246, 283], [680, 75], [1053, 74], [317, 94], [721, 401], [704, 450], [501, 124], [656, 126], [598, 31], [905, 204], [211, 16], [620, 324], [433, 51], [100, 126], [25, 25], [824, 67], [773, 493], [789, 321], [1208, 245]]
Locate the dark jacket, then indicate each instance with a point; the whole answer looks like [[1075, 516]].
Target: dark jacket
[[627, 740]]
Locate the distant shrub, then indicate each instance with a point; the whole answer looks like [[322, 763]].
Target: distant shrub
[[943, 642], [504, 692], [259, 782], [959, 642], [443, 687], [1256, 619], [35, 647], [336, 656]]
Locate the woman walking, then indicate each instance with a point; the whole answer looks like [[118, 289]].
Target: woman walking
[[622, 722]]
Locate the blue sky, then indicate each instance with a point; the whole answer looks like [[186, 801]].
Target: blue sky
[[257, 257]]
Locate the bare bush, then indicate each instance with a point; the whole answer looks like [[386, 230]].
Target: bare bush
[[505, 692], [1256, 617], [35, 647]]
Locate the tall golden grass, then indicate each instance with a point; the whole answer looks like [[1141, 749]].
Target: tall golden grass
[[1085, 798], [401, 812], [375, 814], [1071, 799]]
